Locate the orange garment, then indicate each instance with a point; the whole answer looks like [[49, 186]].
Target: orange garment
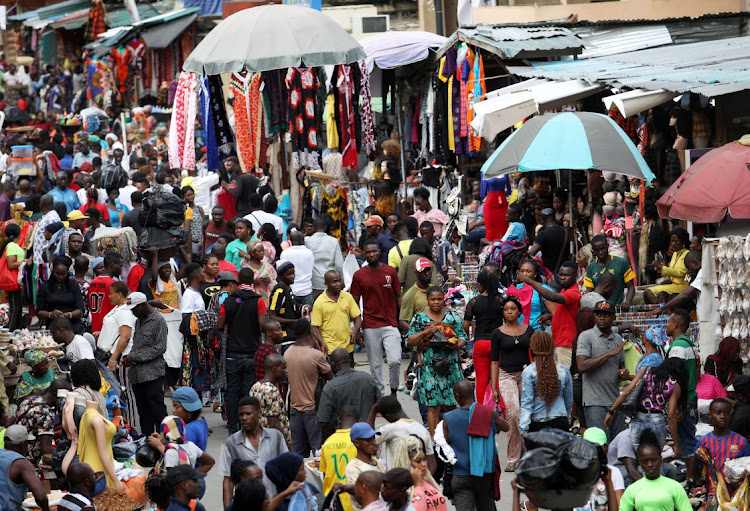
[[248, 115], [476, 92]]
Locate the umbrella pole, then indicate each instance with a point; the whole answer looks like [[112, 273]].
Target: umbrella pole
[[571, 229], [401, 140]]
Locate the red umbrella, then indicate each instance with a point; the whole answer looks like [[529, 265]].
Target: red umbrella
[[716, 185]]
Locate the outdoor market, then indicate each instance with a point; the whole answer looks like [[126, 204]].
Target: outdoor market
[[255, 257]]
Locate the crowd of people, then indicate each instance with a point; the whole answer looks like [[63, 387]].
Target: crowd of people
[[259, 319]]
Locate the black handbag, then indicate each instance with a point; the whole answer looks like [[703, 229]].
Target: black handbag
[[630, 406], [442, 365]]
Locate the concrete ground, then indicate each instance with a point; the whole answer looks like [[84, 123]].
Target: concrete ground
[[212, 498]]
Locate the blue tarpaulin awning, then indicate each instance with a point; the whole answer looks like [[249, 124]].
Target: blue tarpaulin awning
[[52, 11]]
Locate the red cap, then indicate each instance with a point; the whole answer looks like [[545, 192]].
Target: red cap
[[422, 264]]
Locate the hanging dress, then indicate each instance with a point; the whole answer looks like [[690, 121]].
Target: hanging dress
[[182, 126], [348, 142], [248, 115], [302, 86]]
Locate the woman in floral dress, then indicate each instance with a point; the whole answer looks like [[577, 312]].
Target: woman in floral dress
[[440, 367]]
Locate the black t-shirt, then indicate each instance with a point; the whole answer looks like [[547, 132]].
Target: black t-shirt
[[243, 333], [488, 314], [740, 422], [514, 350], [130, 219], [552, 241], [283, 304], [208, 290], [246, 184]]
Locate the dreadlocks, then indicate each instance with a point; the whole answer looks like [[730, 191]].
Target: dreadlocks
[[547, 381]]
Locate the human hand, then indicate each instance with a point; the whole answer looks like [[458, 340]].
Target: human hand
[[654, 312], [607, 475], [625, 306], [417, 475], [618, 349], [430, 330], [126, 361], [55, 314], [338, 487], [625, 374], [296, 485], [523, 279], [12, 367], [154, 440], [119, 486], [608, 420], [112, 365], [496, 395]]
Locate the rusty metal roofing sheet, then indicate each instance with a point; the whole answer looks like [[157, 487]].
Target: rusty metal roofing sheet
[[519, 42]]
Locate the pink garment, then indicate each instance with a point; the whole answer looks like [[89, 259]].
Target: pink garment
[[346, 117], [525, 294], [368, 125], [709, 387], [182, 128], [428, 498]]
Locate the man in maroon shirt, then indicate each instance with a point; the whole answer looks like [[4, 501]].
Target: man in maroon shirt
[[214, 228], [378, 284]]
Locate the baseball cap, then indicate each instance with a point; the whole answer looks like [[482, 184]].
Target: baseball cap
[[373, 220], [181, 473], [595, 436], [17, 434], [400, 477], [76, 215], [740, 384], [227, 276], [422, 264], [604, 306], [188, 398], [135, 299], [362, 430]]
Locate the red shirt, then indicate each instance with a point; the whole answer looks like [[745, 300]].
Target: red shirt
[[212, 233], [227, 201], [564, 318], [98, 300], [227, 266], [379, 288], [102, 208], [134, 277]]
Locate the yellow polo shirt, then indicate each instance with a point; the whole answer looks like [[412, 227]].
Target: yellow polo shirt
[[333, 319], [335, 454]]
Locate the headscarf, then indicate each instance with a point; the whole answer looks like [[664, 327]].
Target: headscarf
[[87, 167], [253, 245], [726, 356], [92, 195], [656, 335], [34, 356], [173, 429], [283, 469], [159, 281], [97, 261]]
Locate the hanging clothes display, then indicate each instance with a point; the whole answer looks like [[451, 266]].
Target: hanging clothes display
[[477, 91], [96, 24], [332, 135], [333, 202], [346, 100], [368, 127], [122, 57], [212, 153], [275, 98], [222, 131], [302, 86], [182, 127], [248, 117]]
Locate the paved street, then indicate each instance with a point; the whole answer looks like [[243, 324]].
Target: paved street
[[212, 499]]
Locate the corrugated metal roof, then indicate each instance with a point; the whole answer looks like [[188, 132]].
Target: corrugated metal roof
[[121, 17], [52, 11], [72, 21], [712, 68], [518, 42], [586, 23], [603, 41]]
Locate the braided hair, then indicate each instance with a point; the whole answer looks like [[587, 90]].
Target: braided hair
[[547, 381]]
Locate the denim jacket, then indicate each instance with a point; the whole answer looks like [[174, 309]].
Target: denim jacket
[[533, 407]]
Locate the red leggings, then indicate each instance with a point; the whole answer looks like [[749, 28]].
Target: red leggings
[[481, 355]]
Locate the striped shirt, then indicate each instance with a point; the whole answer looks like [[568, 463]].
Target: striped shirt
[[724, 448], [75, 502]]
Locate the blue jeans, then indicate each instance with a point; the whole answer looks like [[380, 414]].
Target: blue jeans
[[595, 416], [686, 429], [473, 236], [240, 378], [304, 300], [656, 422]]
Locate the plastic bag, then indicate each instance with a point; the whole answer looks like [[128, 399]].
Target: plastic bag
[[162, 209], [147, 456], [539, 468], [113, 176], [736, 469], [548, 437], [162, 238]]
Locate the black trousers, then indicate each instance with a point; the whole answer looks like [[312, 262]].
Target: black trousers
[[240, 378], [15, 312], [556, 423], [149, 396]]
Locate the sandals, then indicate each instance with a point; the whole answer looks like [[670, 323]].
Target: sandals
[[217, 408], [511, 467]]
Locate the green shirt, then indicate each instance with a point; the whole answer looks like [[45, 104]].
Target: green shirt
[[617, 266], [414, 301], [233, 252], [12, 249], [683, 348], [660, 494]]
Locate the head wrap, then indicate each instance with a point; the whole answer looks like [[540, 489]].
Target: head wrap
[[656, 335], [87, 167], [159, 281], [253, 245], [54, 227], [173, 429], [97, 262], [34, 356], [283, 266], [283, 469]]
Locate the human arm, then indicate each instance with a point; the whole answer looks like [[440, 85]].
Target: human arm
[[23, 468], [534, 249], [629, 294], [39, 177], [672, 418], [568, 391], [417, 338], [543, 291], [681, 299], [494, 375], [13, 261], [100, 431], [154, 252], [281, 497], [125, 333], [587, 363], [186, 259], [206, 461], [623, 395], [612, 499], [373, 414], [227, 491]]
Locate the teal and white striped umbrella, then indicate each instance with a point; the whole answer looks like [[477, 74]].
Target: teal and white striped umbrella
[[568, 140]]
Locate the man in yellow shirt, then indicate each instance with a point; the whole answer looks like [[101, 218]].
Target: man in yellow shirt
[[401, 250], [336, 453], [331, 314]]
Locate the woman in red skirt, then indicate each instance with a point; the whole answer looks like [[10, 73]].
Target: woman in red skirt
[[496, 190]]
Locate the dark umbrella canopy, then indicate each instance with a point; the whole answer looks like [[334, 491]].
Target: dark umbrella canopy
[[568, 140], [712, 188]]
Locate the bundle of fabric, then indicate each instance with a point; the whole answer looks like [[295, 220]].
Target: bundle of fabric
[[122, 241]]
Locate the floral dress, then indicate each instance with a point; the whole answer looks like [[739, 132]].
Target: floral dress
[[265, 270], [433, 389]]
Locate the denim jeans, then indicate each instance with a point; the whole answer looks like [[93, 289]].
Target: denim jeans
[[240, 378], [656, 422], [476, 234], [595, 416], [686, 429], [304, 300]]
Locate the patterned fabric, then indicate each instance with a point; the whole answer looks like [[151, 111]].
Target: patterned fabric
[[653, 398], [265, 270], [434, 390], [302, 86], [477, 90], [219, 121], [652, 360], [368, 124], [334, 202], [96, 24], [182, 128], [220, 340], [34, 356], [259, 361], [40, 244], [274, 95], [35, 415], [199, 351], [272, 405], [248, 116], [173, 428]]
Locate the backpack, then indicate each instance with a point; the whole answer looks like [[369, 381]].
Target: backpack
[[113, 176]]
